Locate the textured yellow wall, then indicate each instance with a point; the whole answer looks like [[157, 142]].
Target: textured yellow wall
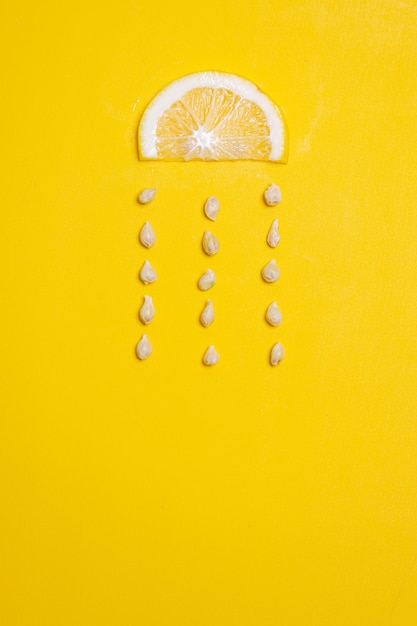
[[166, 494]]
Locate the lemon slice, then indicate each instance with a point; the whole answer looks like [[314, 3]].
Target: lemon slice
[[212, 116]]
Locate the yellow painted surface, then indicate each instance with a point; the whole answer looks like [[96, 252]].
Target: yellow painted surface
[[162, 493]]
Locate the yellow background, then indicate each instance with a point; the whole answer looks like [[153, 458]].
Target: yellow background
[[163, 493]]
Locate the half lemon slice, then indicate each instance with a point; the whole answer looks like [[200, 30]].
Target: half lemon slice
[[212, 116]]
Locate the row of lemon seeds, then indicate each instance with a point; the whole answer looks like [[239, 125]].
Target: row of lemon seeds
[[211, 246], [270, 272], [148, 276]]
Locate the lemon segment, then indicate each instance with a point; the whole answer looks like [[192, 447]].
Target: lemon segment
[[212, 116]]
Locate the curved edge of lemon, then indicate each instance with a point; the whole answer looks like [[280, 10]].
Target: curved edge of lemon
[[213, 78], [285, 137]]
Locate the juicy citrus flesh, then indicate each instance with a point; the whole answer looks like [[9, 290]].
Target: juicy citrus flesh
[[213, 124], [214, 120]]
